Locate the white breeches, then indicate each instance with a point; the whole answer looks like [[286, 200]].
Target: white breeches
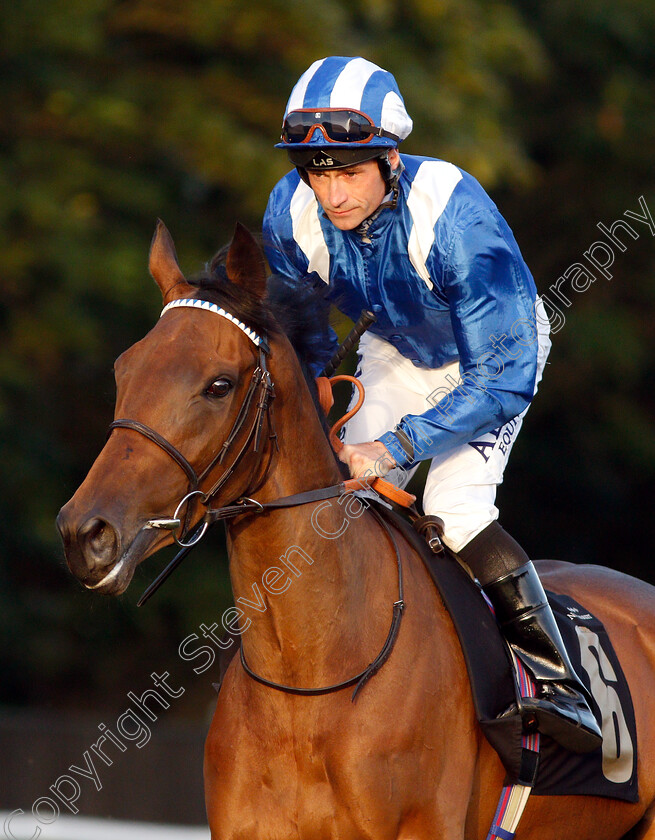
[[461, 485]]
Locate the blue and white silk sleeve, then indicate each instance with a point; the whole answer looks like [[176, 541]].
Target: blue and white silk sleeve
[[491, 295]]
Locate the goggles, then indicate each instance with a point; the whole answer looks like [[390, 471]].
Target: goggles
[[338, 125]]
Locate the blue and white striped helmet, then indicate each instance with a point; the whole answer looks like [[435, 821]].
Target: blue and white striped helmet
[[352, 84]]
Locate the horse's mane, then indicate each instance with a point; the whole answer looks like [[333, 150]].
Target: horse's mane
[[299, 311]]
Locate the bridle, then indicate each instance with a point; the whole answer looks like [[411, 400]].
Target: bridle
[[260, 394], [260, 391]]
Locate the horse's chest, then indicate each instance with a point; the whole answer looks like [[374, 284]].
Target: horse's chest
[[275, 780]]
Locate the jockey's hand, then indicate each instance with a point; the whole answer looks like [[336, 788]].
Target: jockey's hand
[[364, 459]]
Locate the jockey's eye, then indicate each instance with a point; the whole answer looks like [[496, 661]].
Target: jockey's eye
[[219, 388]]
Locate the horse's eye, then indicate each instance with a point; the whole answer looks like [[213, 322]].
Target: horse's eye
[[219, 388]]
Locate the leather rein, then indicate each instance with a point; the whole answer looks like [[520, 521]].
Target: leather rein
[[260, 394]]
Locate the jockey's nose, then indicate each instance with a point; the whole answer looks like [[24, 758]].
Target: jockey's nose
[[337, 193]]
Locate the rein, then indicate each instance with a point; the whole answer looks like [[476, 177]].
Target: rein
[[359, 680], [260, 393]]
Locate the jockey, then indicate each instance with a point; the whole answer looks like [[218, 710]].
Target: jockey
[[458, 347]]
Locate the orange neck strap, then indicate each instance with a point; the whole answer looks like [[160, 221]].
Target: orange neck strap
[[379, 485]]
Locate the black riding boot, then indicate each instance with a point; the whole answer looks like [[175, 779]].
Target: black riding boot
[[511, 583]]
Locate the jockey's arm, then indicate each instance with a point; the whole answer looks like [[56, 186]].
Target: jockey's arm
[[492, 301]]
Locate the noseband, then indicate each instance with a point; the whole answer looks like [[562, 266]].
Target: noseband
[[260, 392]]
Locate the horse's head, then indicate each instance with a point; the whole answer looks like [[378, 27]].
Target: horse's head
[[188, 413]]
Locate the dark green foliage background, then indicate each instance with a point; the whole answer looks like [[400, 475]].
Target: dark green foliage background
[[116, 112]]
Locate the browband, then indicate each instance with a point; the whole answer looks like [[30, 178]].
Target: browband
[[194, 303]]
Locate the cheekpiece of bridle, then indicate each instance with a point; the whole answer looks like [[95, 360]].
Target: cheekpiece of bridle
[[256, 405]]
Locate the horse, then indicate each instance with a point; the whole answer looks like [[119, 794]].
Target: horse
[[194, 430]]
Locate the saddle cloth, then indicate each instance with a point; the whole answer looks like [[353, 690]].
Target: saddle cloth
[[610, 771]]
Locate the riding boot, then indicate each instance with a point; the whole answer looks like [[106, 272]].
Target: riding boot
[[562, 706]]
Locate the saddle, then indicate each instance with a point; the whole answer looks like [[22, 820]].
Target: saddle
[[610, 771]]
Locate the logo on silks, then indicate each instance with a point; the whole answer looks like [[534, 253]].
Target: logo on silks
[[322, 159]]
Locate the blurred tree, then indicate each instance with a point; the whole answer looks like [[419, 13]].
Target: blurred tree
[[588, 456], [120, 111]]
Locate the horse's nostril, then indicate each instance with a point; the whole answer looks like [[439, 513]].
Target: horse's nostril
[[99, 542]]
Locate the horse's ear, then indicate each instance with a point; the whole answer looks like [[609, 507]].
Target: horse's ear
[[164, 268], [245, 262]]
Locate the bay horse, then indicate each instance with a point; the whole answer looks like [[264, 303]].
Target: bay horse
[[406, 760]]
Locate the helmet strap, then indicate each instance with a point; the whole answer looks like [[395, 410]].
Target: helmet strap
[[390, 175], [303, 174]]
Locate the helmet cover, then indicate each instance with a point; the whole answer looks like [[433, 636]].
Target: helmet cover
[[349, 83]]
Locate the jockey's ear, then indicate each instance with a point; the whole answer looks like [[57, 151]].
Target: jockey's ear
[[245, 262], [164, 268]]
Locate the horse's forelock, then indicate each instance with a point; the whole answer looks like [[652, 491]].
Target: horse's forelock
[[300, 312], [214, 286]]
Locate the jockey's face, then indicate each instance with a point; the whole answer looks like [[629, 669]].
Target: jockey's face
[[350, 195]]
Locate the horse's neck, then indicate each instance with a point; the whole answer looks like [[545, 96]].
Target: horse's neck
[[302, 589]]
